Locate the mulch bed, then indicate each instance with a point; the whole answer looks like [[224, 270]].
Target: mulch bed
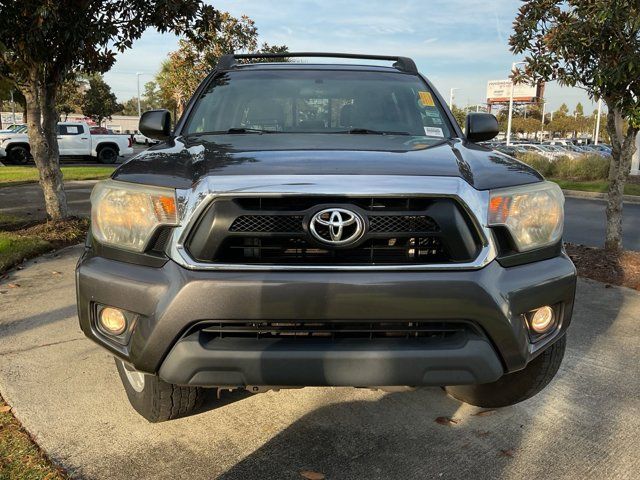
[[613, 268], [60, 234]]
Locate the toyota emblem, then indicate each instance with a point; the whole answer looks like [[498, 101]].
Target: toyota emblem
[[337, 226]]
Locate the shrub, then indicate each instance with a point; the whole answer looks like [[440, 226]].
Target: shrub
[[584, 168], [540, 163]]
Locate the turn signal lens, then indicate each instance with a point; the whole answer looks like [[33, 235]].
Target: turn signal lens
[[542, 319], [112, 321]]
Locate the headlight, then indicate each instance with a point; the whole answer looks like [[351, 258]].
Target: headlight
[[125, 215], [534, 214]]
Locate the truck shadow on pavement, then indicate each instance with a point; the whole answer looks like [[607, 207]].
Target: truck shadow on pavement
[[426, 434]]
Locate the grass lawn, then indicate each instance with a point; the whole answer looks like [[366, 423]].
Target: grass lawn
[[20, 457], [18, 175], [20, 239], [594, 186], [14, 248]]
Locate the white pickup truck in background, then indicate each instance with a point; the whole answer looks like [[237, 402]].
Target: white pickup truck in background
[[74, 140]]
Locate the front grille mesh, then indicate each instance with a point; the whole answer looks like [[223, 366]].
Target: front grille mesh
[[402, 223], [267, 223]]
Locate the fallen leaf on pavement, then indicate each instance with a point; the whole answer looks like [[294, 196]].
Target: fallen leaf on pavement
[[56, 273], [481, 433], [446, 420], [13, 285], [311, 475], [483, 413], [507, 453], [5, 409]]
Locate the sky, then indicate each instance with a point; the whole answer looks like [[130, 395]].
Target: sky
[[459, 44]]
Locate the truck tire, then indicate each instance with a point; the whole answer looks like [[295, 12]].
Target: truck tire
[[155, 399], [107, 154], [19, 155], [514, 387]]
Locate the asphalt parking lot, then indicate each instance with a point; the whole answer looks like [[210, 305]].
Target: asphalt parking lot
[[65, 391]]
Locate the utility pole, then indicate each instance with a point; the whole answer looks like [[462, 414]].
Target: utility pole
[[597, 134], [513, 68], [13, 109], [139, 108]]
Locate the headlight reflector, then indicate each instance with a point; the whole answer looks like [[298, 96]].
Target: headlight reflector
[[126, 215], [533, 214]]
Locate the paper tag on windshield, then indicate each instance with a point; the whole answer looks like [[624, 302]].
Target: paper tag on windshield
[[433, 132], [426, 99]]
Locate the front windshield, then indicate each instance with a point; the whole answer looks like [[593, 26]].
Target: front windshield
[[319, 101]]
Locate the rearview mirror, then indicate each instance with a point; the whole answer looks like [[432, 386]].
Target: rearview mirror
[[156, 124], [481, 126]]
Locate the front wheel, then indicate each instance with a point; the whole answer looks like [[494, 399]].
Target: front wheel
[[107, 155], [514, 387], [19, 155], [155, 399]]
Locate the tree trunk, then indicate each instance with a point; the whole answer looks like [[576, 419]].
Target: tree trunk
[[42, 129], [623, 147]]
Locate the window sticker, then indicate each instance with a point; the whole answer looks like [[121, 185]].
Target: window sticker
[[433, 132], [426, 99], [72, 130]]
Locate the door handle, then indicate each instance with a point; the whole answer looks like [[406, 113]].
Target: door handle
[[84, 138]]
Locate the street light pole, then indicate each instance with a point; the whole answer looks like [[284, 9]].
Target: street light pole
[[597, 134], [544, 105], [513, 68], [13, 108], [139, 108], [451, 96]]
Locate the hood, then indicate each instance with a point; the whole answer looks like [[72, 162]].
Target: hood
[[181, 162]]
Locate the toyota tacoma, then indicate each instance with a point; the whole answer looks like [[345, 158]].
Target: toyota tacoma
[[314, 224]]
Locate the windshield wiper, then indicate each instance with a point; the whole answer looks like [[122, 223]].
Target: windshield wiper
[[249, 130], [368, 131]]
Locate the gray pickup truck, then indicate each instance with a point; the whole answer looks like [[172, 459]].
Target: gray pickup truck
[[324, 225]]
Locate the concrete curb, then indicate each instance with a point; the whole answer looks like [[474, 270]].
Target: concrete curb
[[598, 196]]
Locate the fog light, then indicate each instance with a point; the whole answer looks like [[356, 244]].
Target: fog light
[[112, 321], [542, 319]]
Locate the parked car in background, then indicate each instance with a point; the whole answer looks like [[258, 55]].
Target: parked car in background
[[14, 128], [543, 150], [74, 139], [141, 139]]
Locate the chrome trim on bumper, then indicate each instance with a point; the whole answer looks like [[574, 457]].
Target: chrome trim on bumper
[[194, 201]]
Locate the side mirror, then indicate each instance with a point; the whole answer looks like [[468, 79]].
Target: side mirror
[[481, 127], [156, 124]]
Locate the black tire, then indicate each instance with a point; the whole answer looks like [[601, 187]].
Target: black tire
[[517, 386], [107, 155], [146, 141], [19, 155], [157, 400]]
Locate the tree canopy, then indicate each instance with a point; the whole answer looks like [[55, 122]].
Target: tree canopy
[[43, 43], [185, 68], [99, 101]]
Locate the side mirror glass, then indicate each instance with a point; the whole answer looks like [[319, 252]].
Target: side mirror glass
[[481, 127], [156, 124]]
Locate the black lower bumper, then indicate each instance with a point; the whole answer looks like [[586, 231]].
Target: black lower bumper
[[360, 363], [169, 301]]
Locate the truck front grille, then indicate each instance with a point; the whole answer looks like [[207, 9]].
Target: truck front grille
[[276, 231], [332, 330]]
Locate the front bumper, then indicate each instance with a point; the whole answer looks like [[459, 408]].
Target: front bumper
[[169, 300]]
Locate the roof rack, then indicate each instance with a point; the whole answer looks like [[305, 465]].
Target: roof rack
[[405, 64]]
